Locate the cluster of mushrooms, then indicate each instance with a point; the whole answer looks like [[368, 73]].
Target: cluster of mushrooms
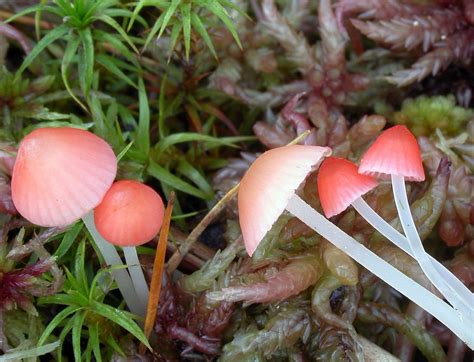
[[63, 174], [269, 187]]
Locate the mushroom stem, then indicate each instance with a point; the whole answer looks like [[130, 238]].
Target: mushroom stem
[[112, 258], [465, 302], [136, 272], [412, 290], [450, 291]]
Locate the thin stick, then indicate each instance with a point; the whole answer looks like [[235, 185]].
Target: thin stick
[[155, 285], [300, 138], [177, 257], [179, 254], [25, 20]]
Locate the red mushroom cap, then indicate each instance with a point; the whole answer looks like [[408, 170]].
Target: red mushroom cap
[[339, 184], [131, 214], [394, 152], [60, 174], [268, 185]]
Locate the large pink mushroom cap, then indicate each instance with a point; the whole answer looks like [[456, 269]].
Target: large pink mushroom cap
[[339, 185], [394, 152], [131, 214], [268, 185], [60, 174]]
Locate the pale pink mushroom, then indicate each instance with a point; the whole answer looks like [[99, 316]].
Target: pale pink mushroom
[[60, 174], [396, 154], [268, 188], [263, 195], [131, 214]]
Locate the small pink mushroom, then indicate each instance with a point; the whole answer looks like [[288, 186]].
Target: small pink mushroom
[[131, 214], [396, 154], [339, 185]]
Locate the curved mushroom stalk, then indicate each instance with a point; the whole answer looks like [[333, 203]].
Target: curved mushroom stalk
[[395, 153], [384, 228], [112, 258], [376, 265], [454, 293]]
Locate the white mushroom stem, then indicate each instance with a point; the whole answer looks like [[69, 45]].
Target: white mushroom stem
[[136, 272], [112, 258], [450, 291], [412, 290], [465, 301]]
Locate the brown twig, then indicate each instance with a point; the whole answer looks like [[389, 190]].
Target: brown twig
[[155, 285], [26, 20], [197, 256], [177, 257]]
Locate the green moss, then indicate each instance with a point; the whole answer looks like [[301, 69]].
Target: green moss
[[424, 114]]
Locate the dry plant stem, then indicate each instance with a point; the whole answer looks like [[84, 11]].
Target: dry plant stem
[[178, 256], [372, 262], [383, 227], [451, 292], [26, 20], [136, 273], [155, 285], [112, 258], [195, 258]]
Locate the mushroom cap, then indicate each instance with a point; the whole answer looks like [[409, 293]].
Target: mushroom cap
[[130, 214], [339, 184], [60, 174], [394, 152], [268, 185]]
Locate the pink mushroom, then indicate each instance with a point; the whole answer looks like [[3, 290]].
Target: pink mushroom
[[268, 188], [274, 183], [131, 214], [59, 176], [395, 153]]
